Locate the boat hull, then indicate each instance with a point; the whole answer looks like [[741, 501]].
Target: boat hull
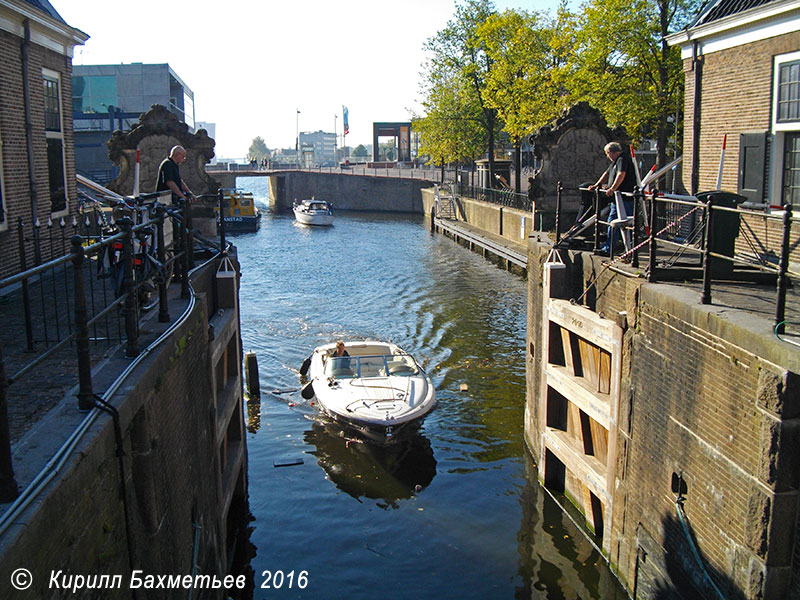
[[309, 219], [242, 224]]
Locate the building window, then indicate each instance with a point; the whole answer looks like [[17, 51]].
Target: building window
[[789, 92], [93, 94], [54, 132], [791, 169]]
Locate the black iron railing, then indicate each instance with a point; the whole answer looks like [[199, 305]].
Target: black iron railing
[[65, 314]]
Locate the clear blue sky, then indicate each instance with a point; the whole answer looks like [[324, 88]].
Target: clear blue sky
[[253, 63]]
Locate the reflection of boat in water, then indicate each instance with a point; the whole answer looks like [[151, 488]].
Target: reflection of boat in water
[[239, 212], [364, 470]]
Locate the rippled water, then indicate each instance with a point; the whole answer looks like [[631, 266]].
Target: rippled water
[[457, 511]]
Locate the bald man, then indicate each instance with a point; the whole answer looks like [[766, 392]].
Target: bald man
[[169, 175]]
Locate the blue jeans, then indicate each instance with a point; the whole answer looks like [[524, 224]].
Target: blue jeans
[[613, 232]]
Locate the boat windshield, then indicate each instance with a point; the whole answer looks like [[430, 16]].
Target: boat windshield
[[343, 367], [318, 206]]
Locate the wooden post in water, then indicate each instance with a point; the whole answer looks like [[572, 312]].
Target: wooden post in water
[[251, 375]]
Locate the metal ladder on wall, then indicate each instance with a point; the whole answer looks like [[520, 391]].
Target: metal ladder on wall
[[445, 202]]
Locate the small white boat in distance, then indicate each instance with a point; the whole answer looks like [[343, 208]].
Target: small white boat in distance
[[379, 390], [313, 212]]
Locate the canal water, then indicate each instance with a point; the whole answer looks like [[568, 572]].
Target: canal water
[[457, 511]]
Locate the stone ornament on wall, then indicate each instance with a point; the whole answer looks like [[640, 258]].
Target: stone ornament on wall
[[154, 136], [571, 151]]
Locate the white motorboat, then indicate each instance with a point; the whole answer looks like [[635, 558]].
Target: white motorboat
[[378, 389], [313, 212]]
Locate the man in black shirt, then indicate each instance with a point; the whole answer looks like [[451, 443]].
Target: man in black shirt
[[620, 177], [169, 175]]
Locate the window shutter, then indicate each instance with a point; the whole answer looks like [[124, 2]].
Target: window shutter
[[752, 160]]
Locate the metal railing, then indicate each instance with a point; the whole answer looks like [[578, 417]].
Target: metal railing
[[67, 313], [705, 231], [503, 197]]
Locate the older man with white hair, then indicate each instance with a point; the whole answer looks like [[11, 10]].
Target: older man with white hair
[[620, 177], [169, 175]]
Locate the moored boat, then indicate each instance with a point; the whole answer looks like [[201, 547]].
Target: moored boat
[[240, 212], [377, 388], [313, 212]]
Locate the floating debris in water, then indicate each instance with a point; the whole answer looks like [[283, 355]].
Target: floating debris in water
[[290, 462], [463, 387]]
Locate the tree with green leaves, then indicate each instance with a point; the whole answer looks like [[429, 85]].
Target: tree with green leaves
[[458, 70], [258, 149], [622, 65], [519, 86], [360, 151], [450, 131]]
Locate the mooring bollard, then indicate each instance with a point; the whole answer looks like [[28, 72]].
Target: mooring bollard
[[251, 375]]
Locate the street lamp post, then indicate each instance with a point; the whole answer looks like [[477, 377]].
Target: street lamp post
[[297, 139]]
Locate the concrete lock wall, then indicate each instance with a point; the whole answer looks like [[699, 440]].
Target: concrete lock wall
[[347, 192], [512, 224], [165, 506], [708, 405]]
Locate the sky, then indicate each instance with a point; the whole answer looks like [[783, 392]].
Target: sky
[[252, 64]]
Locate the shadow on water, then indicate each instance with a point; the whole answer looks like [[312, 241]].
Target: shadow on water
[[365, 470]]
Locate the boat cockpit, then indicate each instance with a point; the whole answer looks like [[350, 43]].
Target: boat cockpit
[[349, 367]]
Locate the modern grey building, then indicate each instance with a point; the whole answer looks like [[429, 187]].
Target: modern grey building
[[324, 147], [109, 97]]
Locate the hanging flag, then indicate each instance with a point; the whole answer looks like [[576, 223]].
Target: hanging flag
[[346, 124]]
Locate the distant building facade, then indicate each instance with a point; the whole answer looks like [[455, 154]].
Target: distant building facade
[[324, 145], [109, 97], [37, 166]]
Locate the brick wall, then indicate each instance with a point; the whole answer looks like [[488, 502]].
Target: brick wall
[[16, 183], [704, 398], [736, 98]]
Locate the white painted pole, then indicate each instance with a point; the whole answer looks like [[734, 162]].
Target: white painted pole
[[136, 174], [721, 162]]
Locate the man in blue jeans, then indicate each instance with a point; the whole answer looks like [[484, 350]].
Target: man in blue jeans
[[619, 177]]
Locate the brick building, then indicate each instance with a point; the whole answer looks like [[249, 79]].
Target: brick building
[[742, 64], [674, 425], [37, 166]]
